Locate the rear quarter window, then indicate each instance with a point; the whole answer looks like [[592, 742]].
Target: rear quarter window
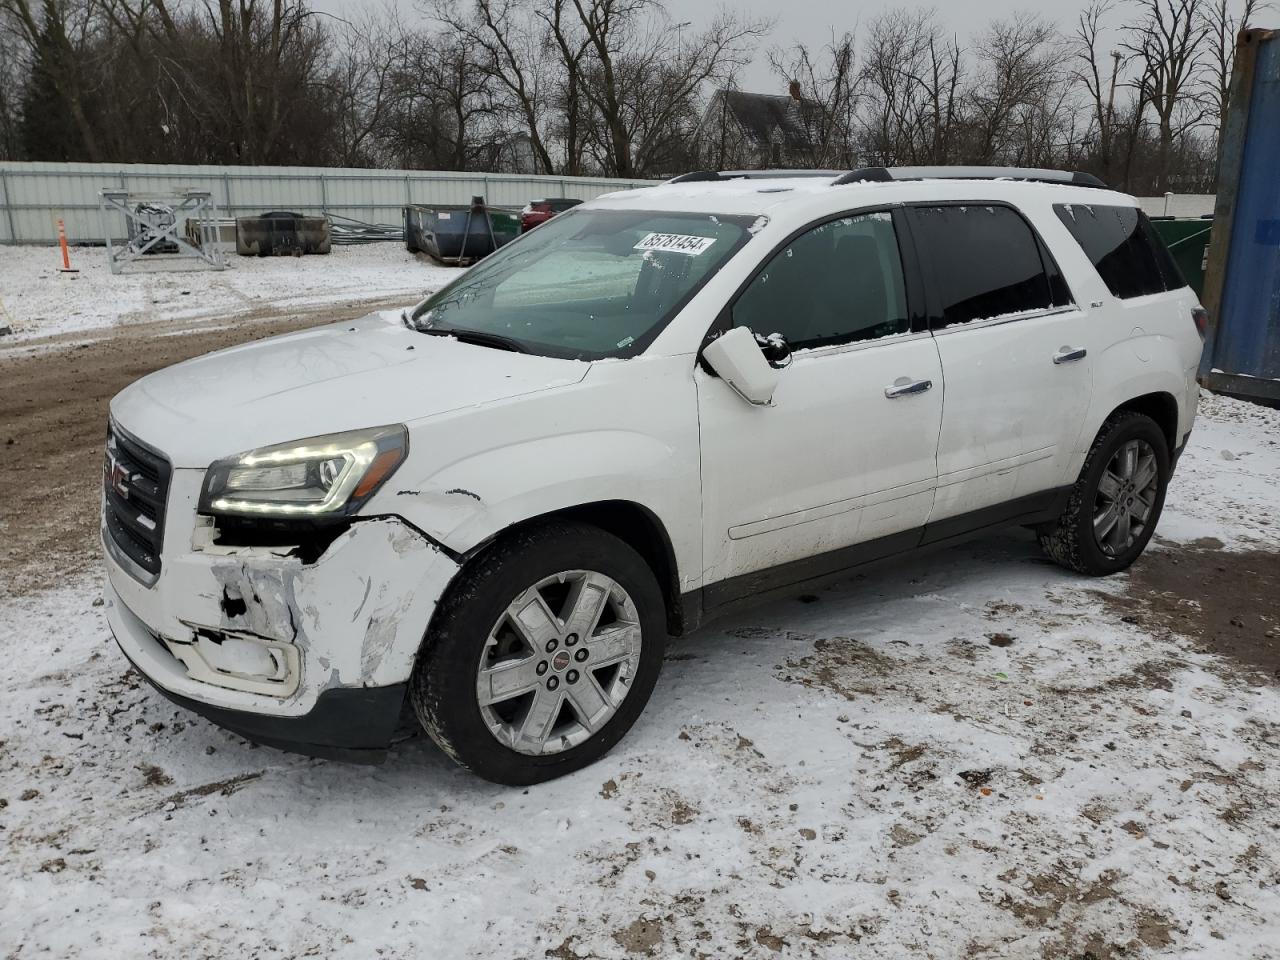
[[1123, 248], [986, 262]]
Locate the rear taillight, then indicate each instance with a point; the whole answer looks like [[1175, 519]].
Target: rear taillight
[[1201, 318]]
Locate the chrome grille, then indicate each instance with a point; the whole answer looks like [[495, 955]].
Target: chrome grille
[[135, 484]]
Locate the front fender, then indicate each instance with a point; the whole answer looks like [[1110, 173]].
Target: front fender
[[469, 501], [475, 475]]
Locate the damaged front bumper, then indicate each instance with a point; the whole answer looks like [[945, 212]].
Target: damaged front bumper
[[313, 657]]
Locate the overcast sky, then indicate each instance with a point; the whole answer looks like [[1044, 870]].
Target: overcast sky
[[808, 21], [811, 21]]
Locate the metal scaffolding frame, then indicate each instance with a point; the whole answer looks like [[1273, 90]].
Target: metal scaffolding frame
[[145, 233]]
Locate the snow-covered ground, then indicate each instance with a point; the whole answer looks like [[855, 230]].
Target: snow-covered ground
[[970, 754], [41, 301]]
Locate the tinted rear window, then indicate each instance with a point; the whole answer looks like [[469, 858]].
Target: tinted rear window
[[986, 262], [1124, 249]]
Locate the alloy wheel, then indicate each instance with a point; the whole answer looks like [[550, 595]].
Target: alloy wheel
[[1125, 497], [559, 662]]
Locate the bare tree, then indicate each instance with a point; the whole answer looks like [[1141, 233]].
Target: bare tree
[[361, 82], [645, 76], [1044, 131], [1166, 39], [510, 47], [1221, 27], [825, 88], [252, 67], [258, 49], [912, 79], [608, 25], [1100, 77], [939, 81], [665, 81], [1022, 69], [615, 87], [444, 114], [573, 46]]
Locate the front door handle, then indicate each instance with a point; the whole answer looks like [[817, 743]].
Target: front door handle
[[905, 387], [1070, 354]]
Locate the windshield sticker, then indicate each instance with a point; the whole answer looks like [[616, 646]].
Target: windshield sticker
[[675, 243]]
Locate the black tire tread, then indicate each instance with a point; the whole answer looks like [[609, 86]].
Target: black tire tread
[[431, 701], [1060, 539], [427, 704]]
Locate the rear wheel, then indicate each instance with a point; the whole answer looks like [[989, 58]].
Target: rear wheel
[[1117, 500], [543, 654]]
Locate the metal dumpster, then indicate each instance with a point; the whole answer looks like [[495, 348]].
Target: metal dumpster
[[1242, 276], [458, 234], [1188, 242], [281, 233]]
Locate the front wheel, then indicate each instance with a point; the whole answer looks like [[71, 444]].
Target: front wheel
[[542, 655], [1116, 501]]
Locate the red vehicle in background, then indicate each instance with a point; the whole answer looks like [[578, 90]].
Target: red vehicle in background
[[540, 211]]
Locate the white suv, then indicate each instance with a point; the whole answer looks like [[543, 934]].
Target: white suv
[[654, 408]]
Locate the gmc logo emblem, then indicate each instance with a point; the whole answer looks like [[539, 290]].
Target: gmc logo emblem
[[117, 477]]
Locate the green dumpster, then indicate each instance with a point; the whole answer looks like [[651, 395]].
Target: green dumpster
[[1188, 242]]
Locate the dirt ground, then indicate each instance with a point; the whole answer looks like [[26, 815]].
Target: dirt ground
[[1229, 602], [53, 412]]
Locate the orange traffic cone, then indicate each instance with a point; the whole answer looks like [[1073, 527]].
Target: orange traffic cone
[[66, 256]]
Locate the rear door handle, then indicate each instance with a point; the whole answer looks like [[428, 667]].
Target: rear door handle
[[905, 387], [1070, 354]]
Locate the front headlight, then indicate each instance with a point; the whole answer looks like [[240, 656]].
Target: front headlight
[[328, 476]]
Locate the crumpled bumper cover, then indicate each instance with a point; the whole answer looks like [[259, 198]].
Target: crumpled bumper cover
[[352, 622], [355, 724]]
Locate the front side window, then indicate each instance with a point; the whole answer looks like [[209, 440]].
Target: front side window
[[986, 262], [1123, 247], [837, 283], [587, 284]]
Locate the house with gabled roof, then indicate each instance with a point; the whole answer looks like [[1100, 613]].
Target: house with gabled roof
[[756, 130]]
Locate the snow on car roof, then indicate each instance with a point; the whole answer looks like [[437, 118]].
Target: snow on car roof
[[748, 196], [765, 195]]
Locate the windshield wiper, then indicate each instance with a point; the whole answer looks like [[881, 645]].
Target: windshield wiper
[[478, 337]]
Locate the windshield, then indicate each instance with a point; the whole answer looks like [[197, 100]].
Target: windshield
[[587, 284]]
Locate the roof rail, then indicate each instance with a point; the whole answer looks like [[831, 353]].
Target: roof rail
[[1035, 174], [697, 176], [775, 174], [703, 176]]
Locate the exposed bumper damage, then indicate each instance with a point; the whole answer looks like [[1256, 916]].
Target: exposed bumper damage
[[308, 656]]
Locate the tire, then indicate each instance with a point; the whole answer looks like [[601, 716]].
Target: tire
[[474, 638], [1071, 540]]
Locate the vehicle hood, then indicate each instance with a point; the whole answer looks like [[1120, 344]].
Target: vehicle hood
[[362, 373]]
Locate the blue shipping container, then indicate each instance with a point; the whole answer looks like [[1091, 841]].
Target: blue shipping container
[[1242, 277]]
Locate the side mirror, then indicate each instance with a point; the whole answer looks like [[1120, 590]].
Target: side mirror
[[737, 358], [776, 350]]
